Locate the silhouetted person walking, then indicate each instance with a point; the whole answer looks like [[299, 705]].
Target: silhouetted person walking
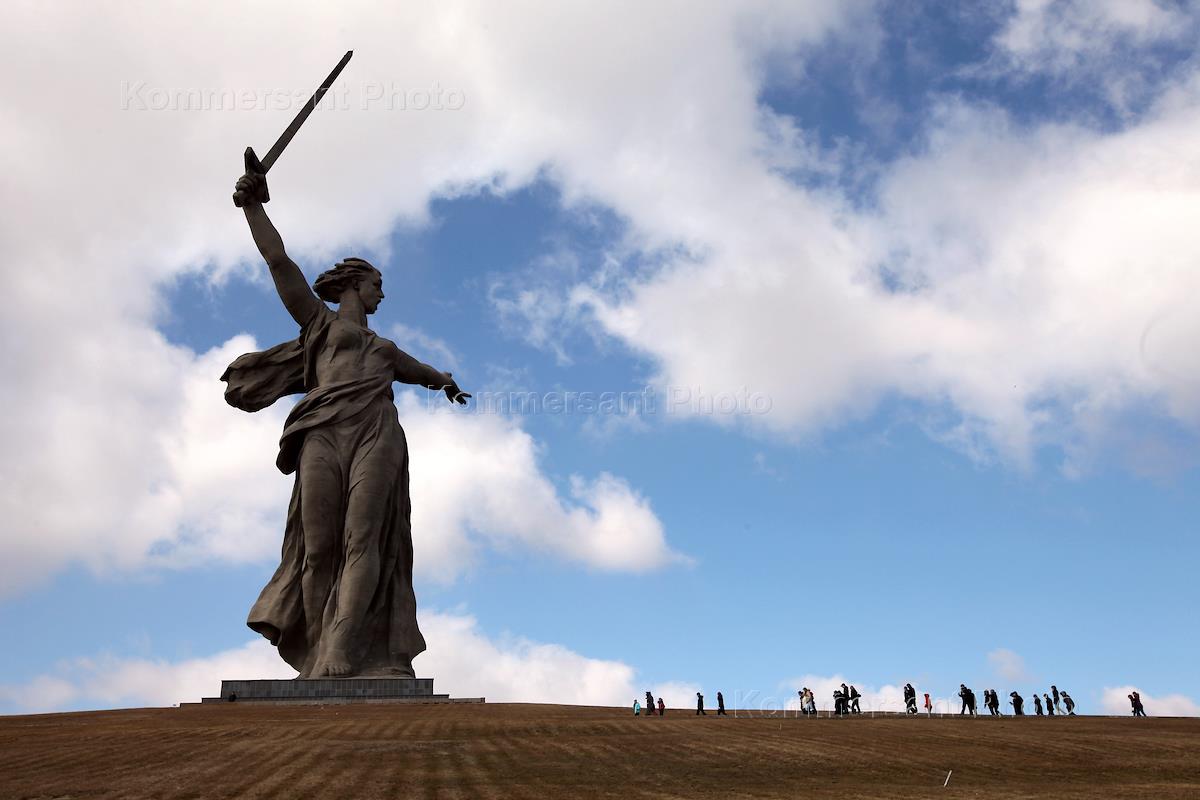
[[1018, 704], [662, 708], [1049, 705], [910, 699], [1135, 700], [839, 703], [700, 704], [1055, 694], [1037, 705], [721, 705], [854, 695], [1069, 703], [968, 700], [649, 704]]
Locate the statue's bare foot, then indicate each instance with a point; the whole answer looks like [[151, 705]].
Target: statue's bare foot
[[336, 665]]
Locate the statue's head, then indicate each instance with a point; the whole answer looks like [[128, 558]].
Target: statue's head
[[355, 274]]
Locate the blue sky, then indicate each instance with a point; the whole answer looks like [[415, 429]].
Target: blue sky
[[946, 243]]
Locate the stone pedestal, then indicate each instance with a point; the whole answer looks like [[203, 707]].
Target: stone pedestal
[[334, 690]]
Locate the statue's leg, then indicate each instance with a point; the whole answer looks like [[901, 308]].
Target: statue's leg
[[321, 502], [372, 482]]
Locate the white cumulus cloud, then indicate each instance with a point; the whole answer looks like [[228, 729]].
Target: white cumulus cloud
[[116, 448], [191, 480], [1026, 285], [464, 663], [1008, 665], [476, 480], [1062, 35]]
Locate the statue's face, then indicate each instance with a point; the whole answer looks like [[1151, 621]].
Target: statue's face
[[371, 292]]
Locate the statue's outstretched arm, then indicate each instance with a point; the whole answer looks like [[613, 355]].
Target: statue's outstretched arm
[[293, 289], [409, 370]]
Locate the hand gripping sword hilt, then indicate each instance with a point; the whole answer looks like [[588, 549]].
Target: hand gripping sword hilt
[[255, 166]]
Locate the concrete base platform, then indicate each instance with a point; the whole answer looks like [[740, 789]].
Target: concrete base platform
[[333, 691]]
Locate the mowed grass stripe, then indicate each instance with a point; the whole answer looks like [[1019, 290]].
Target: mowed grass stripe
[[243, 765], [298, 753], [495, 766], [510, 760], [89, 758]]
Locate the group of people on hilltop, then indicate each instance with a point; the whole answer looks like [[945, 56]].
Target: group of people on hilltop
[[991, 701], [650, 707], [846, 701], [660, 707]]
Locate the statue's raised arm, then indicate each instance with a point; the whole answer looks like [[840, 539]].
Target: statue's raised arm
[[293, 289]]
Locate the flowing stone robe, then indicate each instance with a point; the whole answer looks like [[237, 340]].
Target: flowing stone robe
[[345, 444]]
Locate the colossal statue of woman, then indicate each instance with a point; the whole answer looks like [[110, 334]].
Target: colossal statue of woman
[[341, 603]]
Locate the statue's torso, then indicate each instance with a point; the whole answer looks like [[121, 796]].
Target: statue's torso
[[351, 352]]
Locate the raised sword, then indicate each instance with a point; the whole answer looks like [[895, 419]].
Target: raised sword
[[253, 164]]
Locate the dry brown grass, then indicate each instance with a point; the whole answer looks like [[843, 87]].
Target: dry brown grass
[[532, 751]]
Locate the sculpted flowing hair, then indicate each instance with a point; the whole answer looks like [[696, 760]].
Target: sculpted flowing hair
[[332, 282]]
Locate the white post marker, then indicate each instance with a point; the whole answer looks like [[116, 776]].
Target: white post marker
[[947, 783]]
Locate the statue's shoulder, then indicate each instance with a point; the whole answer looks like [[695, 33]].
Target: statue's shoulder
[[383, 341], [322, 317]]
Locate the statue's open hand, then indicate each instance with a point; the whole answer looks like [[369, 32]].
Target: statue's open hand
[[453, 393], [249, 188]]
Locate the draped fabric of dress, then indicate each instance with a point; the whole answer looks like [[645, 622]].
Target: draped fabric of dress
[[350, 431]]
